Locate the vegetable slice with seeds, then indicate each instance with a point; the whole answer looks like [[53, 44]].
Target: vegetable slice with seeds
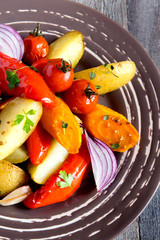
[[119, 135]]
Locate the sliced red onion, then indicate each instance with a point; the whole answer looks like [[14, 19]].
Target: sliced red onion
[[104, 164], [11, 42]]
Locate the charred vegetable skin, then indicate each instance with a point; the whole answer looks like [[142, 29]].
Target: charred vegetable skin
[[53, 191], [23, 82], [111, 127]]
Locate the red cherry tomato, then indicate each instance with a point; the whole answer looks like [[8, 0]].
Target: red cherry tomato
[[81, 97], [35, 46], [58, 74]]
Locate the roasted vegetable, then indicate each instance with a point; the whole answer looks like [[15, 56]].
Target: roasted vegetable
[[18, 156], [17, 79], [35, 46], [70, 47], [53, 160], [18, 120], [109, 77], [81, 97], [111, 127], [38, 144], [62, 125], [11, 177], [63, 183]]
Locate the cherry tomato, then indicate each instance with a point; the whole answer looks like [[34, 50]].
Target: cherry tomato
[[81, 97], [35, 46], [40, 64], [58, 74]]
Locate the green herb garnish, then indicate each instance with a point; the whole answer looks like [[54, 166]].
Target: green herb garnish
[[106, 117], [115, 146], [13, 79], [19, 119], [28, 122], [67, 179], [92, 75], [98, 87]]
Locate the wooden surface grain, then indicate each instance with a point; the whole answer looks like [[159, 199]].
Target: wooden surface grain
[[142, 19]]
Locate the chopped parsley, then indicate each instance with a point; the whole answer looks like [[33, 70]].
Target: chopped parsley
[[106, 117], [67, 179], [98, 87], [92, 75], [13, 79], [115, 146], [28, 122]]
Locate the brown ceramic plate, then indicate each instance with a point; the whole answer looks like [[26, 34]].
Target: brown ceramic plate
[[87, 214]]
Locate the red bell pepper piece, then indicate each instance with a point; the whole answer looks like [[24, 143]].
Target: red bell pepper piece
[[38, 144], [76, 165], [40, 64], [31, 84]]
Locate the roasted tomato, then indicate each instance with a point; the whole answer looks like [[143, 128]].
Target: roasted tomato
[[81, 97], [35, 46], [58, 74]]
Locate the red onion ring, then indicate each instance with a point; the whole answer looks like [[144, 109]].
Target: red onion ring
[[11, 42]]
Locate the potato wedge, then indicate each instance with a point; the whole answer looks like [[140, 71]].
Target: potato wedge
[[18, 156], [55, 157], [11, 177], [70, 47], [13, 136], [110, 127], [108, 78], [62, 125]]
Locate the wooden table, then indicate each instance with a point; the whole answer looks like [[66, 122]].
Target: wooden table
[[142, 19]]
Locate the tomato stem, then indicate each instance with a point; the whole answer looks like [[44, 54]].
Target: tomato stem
[[65, 66], [36, 31], [89, 92]]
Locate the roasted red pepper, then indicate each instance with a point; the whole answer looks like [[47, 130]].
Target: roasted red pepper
[[76, 165], [31, 84], [40, 64], [38, 144]]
